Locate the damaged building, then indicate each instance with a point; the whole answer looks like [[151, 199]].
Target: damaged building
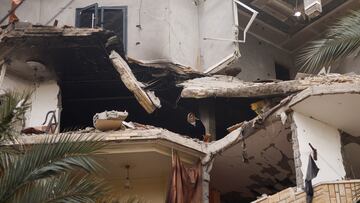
[[149, 63]]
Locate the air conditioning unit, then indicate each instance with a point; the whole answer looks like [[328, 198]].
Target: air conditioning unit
[[313, 8]]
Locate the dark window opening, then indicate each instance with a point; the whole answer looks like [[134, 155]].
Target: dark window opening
[[112, 18], [282, 73]]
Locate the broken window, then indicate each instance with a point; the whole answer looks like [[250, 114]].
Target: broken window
[[112, 18]]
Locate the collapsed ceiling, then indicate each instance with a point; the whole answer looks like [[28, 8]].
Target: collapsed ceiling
[[277, 24], [280, 13]]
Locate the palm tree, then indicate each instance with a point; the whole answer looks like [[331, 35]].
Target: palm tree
[[341, 40], [58, 169]]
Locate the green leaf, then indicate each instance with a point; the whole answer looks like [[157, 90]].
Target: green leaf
[[64, 188], [342, 40], [56, 155], [12, 109]]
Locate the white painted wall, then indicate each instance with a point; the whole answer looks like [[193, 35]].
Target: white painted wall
[[216, 20], [326, 139], [153, 16], [29, 11], [43, 99], [184, 33], [258, 58]]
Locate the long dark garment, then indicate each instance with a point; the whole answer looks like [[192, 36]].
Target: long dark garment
[[311, 173], [197, 130], [185, 184]]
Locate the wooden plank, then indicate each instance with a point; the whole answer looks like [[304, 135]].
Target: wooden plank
[[147, 99]]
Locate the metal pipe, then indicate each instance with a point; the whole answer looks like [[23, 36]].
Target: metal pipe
[[255, 13], [253, 16]]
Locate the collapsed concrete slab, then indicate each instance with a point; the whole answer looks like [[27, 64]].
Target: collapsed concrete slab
[[318, 116], [227, 86], [147, 99]]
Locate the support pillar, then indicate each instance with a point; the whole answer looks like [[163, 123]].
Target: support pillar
[[206, 181], [207, 116]]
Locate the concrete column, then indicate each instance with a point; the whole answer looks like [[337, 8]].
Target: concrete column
[[326, 139], [206, 181], [207, 116]]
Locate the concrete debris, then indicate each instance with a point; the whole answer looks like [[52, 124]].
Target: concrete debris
[[109, 120], [227, 86], [23, 29], [147, 99]]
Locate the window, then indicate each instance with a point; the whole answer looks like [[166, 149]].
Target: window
[[110, 18], [282, 73]]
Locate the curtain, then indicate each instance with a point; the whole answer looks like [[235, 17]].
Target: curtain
[[186, 182]]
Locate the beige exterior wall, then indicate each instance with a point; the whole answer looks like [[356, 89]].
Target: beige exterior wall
[[340, 192]]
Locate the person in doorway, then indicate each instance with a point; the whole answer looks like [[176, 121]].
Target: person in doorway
[[196, 128]]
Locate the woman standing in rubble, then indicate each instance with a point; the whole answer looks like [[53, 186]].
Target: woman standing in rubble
[[196, 128]]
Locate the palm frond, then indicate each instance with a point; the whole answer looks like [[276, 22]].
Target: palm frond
[[55, 155], [356, 194], [12, 109], [7, 156], [64, 188], [342, 39]]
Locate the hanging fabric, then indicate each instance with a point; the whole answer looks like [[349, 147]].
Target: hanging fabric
[[311, 173], [185, 184]]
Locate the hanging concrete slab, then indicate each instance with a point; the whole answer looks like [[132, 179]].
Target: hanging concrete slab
[[146, 99]]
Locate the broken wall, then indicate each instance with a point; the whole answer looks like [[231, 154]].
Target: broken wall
[[261, 164], [326, 139], [156, 29]]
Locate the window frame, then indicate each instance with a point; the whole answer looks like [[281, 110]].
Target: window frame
[[100, 22]]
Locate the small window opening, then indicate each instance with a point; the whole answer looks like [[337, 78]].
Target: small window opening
[[282, 73]]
